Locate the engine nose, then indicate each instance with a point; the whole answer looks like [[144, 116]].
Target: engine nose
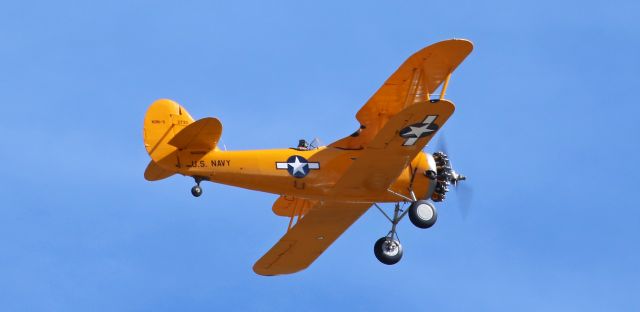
[[444, 176]]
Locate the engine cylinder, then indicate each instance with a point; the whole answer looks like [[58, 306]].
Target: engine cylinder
[[443, 176]]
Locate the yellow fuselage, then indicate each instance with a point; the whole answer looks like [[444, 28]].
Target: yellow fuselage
[[267, 171]]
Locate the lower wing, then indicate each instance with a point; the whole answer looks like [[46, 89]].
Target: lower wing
[[310, 237]]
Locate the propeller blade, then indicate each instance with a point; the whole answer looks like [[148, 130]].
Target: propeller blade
[[464, 196], [442, 144]]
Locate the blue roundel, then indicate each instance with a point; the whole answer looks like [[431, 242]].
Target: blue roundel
[[297, 166]]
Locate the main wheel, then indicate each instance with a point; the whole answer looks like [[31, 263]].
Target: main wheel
[[196, 191], [423, 214], [388, 250]]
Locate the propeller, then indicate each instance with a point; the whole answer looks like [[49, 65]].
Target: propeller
[[464, 195]]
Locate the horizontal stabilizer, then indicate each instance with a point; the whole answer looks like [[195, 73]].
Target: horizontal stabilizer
[[203, 134], [155, 172]]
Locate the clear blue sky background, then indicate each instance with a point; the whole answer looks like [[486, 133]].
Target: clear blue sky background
[[546, 127]]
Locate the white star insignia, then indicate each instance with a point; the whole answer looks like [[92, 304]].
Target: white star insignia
[[418, 131], [297, 166]]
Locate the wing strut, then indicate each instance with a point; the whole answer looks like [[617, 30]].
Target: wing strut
[[298, 208], [444, 87], [293, 214]]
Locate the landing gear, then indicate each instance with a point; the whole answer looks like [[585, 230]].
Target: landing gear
[[388, 250], [423, 214], [196, 190]]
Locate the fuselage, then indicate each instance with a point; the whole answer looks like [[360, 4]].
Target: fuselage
[[307, 174]]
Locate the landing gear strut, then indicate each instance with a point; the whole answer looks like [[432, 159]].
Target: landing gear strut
[[196, 190], [388, 249]]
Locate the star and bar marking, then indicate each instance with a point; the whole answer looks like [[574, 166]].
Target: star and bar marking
[[298, 166], [413, 132]]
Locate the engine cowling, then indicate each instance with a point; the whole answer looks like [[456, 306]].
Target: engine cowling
[[445, 176]]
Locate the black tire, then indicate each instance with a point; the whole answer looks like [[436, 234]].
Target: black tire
[[388, 250], [423, 214], [196, 191]]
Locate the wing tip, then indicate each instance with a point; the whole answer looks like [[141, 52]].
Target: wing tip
[[462, 40], [460, 44], [271, 272]]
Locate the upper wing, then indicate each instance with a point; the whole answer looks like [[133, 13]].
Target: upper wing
[[420, 74], [393, 148], [306, 241]]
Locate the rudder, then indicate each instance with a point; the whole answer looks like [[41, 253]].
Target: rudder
[[164, 119]]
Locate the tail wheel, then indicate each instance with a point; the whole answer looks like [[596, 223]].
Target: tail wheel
[[388, 250], [423, 214], [196, 191]]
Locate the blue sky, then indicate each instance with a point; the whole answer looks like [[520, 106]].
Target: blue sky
[[546, 128]]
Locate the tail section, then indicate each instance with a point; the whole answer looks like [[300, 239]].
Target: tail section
[[172, 138]]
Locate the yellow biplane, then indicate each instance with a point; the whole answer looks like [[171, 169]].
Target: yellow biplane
[[325, 189]]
